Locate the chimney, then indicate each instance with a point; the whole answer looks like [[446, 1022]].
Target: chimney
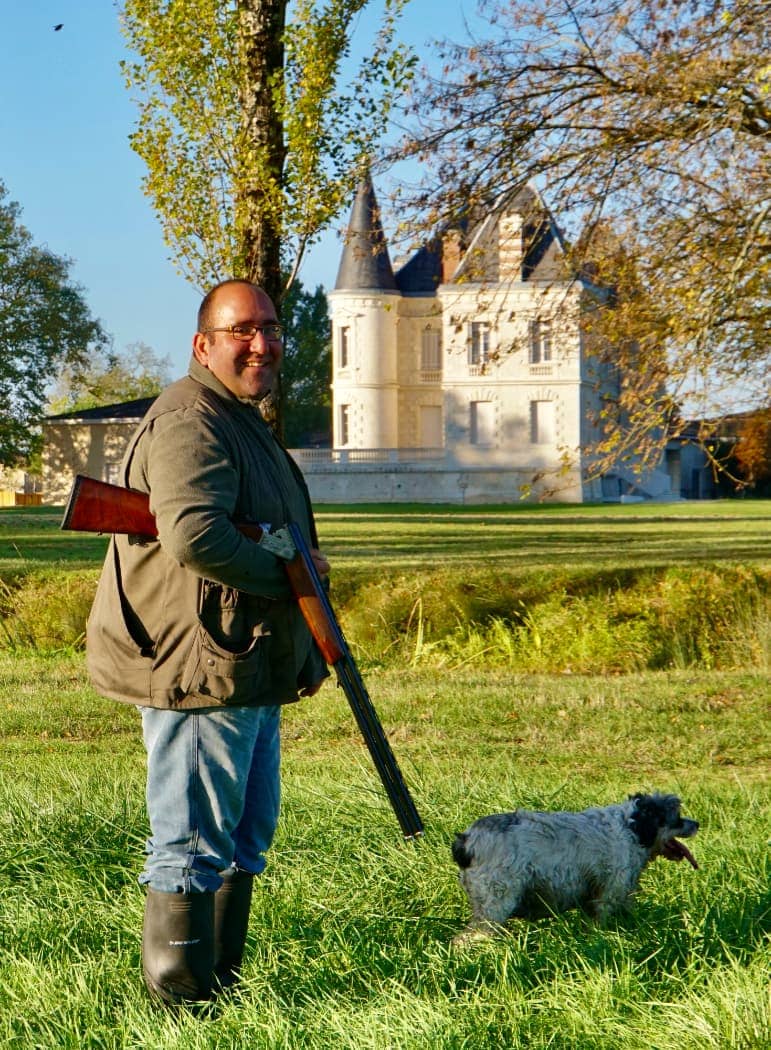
[[452, 251]]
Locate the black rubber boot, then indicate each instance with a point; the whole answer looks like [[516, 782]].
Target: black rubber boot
[[232, 902], [178, 946]]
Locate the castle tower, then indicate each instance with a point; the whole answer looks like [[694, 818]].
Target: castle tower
[[363, 307]]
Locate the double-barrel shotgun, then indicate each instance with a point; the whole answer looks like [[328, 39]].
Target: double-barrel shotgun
[[96, 506]]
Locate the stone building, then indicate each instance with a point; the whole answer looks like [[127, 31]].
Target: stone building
[[464, 373], [90, 441]]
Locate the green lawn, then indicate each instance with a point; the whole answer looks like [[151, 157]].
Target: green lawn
[[349, 944], [524, 535]]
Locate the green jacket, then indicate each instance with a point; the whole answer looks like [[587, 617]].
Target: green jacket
[[202, 616]]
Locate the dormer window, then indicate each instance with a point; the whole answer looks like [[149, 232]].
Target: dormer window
[[478, 343], [540, 342]]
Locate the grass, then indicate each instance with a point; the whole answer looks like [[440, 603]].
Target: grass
[[363, 538], [548, 537], [542, 589], [349, 943]]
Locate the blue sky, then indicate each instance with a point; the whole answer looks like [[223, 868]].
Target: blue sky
[[65, 159]]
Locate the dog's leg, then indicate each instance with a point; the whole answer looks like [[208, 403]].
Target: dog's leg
[[492, 902], [615, 898]]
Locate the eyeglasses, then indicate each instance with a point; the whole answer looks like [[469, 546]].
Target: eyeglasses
[[274, 333]]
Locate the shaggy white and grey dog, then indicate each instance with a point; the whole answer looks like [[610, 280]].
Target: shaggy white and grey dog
[[529, 865]]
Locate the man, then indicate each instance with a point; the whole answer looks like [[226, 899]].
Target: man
[[199, 628]]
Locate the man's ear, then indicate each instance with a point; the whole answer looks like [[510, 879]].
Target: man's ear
[[201, 349]]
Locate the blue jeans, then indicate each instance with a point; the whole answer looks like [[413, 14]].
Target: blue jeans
[[212, 794]]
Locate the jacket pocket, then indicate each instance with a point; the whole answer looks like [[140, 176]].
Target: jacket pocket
[[224, 676]]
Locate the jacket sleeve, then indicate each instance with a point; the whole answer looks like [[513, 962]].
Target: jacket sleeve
[[194, 485]]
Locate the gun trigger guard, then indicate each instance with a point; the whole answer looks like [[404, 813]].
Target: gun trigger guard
[[278, 543]]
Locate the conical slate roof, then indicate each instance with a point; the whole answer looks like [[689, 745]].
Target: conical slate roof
[[365, 263]]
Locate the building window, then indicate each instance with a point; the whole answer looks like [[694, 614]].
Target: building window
[[482, 423], [542, 423], [344, 419], [431, 426], [479, 343], [431, 350], [540, 342], [344, 347]]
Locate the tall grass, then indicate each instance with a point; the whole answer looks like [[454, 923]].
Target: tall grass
[[46, 609], [559, 622], [580, 622], [542, 589]]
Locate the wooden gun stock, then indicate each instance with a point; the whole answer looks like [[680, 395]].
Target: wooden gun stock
[[96, 506]]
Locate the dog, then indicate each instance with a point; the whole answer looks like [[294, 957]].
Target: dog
[[530, 865]]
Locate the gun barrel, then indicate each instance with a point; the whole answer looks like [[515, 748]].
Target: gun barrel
[[363, 709], [379, 748]]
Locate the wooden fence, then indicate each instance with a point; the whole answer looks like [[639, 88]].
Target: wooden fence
[[20, 499]]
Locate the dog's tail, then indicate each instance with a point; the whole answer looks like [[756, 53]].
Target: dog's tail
[[460, 854]]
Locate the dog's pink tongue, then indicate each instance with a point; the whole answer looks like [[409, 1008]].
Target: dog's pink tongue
[[675, 850]]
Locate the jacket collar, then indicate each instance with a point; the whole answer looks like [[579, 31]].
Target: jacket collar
[[201, 374]]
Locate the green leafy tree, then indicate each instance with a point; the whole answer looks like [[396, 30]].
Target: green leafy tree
[[307, 369], [45, 325], [109, 378], [252, 135], [650, 117]]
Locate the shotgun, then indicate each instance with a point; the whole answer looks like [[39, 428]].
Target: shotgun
[[96, 506]]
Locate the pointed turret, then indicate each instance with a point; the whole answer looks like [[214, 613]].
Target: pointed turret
[[365, 312], [365, 263]]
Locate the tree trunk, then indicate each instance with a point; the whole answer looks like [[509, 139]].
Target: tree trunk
[[261, 28], [258, 210]]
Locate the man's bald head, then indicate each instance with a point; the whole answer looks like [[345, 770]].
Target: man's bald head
[[207, 309]]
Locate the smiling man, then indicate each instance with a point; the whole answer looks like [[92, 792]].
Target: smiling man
[[239, 339], [200, 630]]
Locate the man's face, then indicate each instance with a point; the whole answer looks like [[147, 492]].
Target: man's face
[[247, 369]]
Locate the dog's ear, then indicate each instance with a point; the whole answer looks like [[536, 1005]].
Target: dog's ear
[[649, 815]]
